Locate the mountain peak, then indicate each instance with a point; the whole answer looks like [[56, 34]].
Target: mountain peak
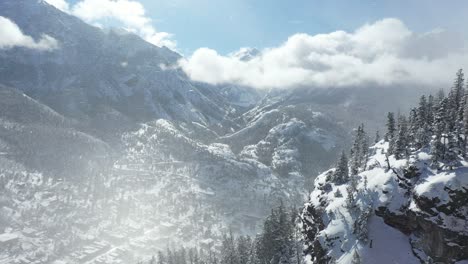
[[246, 54]]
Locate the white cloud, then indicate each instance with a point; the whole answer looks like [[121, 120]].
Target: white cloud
[[383, 53], [12, 36], [131, 14]]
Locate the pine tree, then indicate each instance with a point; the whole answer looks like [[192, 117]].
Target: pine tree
[[361, 223], [182, 256], [440, 119], [277, 235], [391, 129], [364, 149], [455, 103], [170, 257], [244, 245], [437, 150], [440, 95], [422, 123], [286, 254], [422, 111], [451, 154], [430, 110], [228, 250], [458, 92], [161, 258], [401, 142], [341, 174], [351, 189], [298, 245], [255, 256], [439, 127], [465, 131], [413, 129], [377, 137], [359, 150], [338, 193]]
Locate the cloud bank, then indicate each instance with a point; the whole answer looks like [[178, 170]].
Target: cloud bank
[[382, 53], [131, 14], [12, 36]]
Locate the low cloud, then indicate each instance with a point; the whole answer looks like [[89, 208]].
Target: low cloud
[[131, 14], [382, 53], [12, 36]]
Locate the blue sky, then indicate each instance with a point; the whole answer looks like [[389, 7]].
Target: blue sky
[[227, 25]]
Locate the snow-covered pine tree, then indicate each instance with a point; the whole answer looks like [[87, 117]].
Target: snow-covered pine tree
[[161, 258], [423, 135], [465, 129], [341, 174], [463, 125], [430, 111], [364, 149], [391, 130], [244, 245], [286, 254], [351, 189], [181, 256], [377, 136], [228, 250], [297, 235], [422, 111], [455, 99], [254, 253], [401, 143], [439, 127], [360, 228], [439, 96], [437, 150], [277, 236], [359, 150], [458, 93], [413, 129], [452, 150]]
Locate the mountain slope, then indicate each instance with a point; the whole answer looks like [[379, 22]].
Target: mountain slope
[[39, 138]]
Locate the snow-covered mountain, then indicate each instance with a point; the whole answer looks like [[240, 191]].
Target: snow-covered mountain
[[95, 69]]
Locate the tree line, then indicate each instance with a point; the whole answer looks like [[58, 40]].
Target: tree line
[[278, 243], [439, 124]]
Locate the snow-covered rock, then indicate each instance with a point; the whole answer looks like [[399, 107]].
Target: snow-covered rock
[[416, 213]]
